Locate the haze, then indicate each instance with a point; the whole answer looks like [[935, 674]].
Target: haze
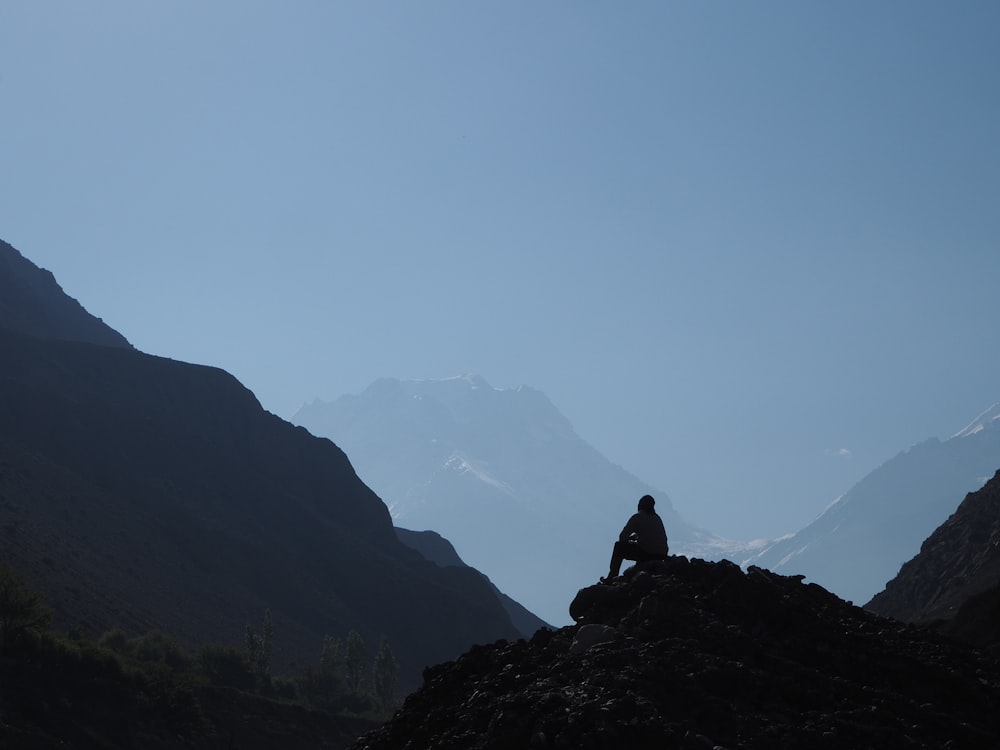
[[750, 250]]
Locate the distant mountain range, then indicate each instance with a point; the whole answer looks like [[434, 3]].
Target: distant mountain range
[[501, 473], [860, 541], [504, 476], [142, 493]]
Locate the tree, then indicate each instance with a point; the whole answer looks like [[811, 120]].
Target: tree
[[386, 673], [332, 656], [21, 610], [354, 660], [267, 642], [259, 648]]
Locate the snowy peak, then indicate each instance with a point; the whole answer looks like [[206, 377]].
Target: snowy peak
[[461, 464], [984, 421], [451, 406]]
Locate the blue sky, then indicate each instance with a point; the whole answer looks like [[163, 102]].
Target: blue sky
[[749, 249]]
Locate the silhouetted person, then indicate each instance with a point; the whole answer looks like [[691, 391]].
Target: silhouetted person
[[643, 538]]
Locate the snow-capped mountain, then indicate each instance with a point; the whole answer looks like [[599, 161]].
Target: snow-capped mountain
[[983, 422], [502, 474], [860, 541]]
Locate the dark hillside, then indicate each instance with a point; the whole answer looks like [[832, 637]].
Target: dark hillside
[[144, 693], [700, 655], [142, 493], [439, 550], [956, 575], [33, 303]]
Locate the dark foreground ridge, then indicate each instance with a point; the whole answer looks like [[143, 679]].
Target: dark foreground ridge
[[702, 655]]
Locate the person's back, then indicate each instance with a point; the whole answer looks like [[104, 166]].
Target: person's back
[[643, 538], [650, 534]]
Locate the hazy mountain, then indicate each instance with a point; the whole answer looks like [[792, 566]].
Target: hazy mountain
[[859, 542], [139, 492], [956, 575], [502, 474]]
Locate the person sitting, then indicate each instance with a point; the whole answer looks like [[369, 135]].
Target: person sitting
[[643, 538]]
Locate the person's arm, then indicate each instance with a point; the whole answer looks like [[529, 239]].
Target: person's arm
[[628, 531]]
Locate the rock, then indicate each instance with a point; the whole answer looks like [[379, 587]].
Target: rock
[[591, 635], [702, 655]]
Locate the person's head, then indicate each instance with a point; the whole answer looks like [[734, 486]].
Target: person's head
[[646, 503]]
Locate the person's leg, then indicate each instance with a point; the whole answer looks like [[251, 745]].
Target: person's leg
[[621, 552], [616, 560]]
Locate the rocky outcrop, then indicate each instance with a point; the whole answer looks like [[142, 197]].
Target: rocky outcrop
[[960, 561], [691, 654]]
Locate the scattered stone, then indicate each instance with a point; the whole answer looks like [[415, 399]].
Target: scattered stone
[[591, 635], [698, 655]]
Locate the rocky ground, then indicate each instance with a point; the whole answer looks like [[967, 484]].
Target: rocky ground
[[694, 654]]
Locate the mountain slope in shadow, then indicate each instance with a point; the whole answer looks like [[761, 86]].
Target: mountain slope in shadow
[[140, 492], [954, 581]]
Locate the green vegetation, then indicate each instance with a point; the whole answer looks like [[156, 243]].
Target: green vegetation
[[122, 688], [339, 683], [259, 647], [226, 666], [117, 689]]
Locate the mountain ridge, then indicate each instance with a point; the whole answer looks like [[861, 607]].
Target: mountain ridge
[[31, 301], [140, 492], [861, 539]]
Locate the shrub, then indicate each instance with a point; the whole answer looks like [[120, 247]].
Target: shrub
[[285, 688], [321, 688], [116, 640], [156, 647], [226, 667]]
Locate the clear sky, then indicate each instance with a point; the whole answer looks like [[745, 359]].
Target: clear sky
[[751, 250]]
